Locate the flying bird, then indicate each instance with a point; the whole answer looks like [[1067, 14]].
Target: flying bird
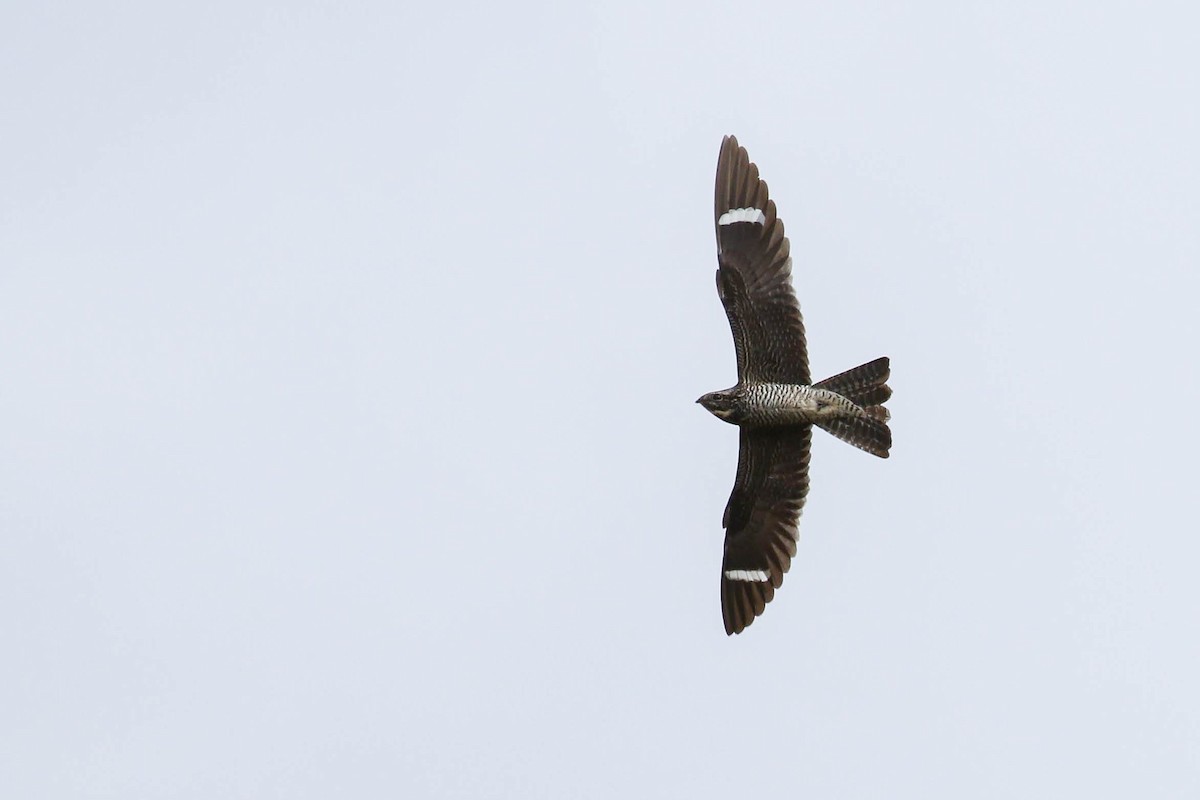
[[774, 404]]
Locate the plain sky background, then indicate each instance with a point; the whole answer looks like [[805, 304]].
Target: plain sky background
[[348, 358]]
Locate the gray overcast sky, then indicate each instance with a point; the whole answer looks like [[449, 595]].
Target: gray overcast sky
[[347, 435]]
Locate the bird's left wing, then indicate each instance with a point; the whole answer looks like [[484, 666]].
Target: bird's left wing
[[761, 519], [755, 275]]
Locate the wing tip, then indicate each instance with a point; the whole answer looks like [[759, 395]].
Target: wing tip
[[742, 602]]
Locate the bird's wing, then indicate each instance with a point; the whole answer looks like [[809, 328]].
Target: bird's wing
[[761, 519], [754, 279]]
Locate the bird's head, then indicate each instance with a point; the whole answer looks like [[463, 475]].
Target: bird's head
[[722, 405]]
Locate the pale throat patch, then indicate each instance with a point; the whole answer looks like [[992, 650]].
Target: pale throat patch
[[750, 575], [742, 215]]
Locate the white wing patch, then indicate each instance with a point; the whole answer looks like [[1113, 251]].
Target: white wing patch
[[751, 575], [743, 215]]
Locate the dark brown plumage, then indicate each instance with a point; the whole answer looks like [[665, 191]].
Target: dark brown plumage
[[773, 403], [755, 277]]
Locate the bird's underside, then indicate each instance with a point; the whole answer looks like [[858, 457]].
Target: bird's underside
[[775, 404]]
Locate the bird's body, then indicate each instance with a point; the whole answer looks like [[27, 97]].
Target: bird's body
[[768, 404], [774, 403]]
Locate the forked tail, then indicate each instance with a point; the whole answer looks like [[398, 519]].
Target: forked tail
[[866, 387]]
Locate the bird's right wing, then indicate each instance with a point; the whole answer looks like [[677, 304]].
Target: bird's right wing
[[754, 280], [761, 519]]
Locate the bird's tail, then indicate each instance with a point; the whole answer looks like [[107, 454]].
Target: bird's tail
[[865, 386]]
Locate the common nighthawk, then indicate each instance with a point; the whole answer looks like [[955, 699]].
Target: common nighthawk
[[773, 403]]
